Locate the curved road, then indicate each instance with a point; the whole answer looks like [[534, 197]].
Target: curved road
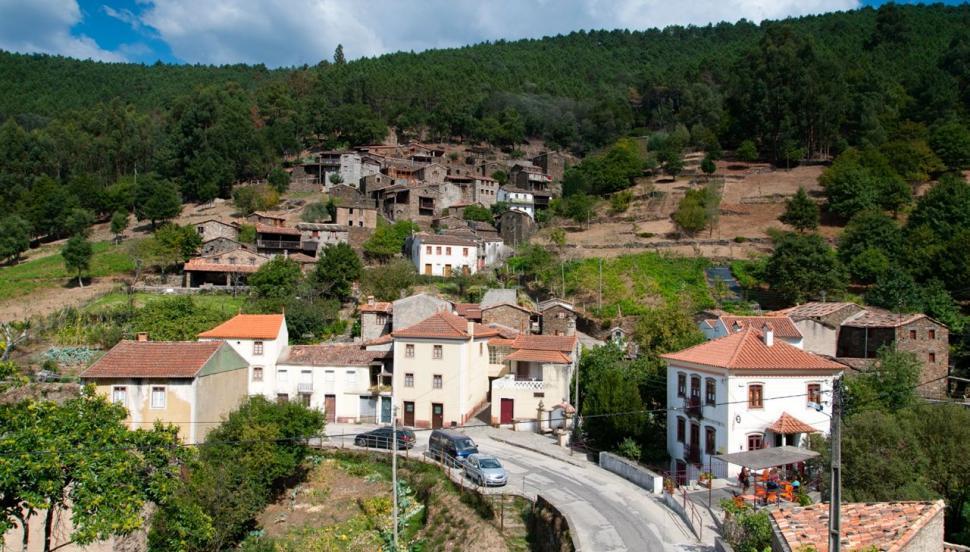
[[606, 513]]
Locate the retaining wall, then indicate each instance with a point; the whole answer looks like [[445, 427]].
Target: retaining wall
[[632, 472]]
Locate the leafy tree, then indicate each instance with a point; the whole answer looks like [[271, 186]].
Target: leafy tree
[[156, 199], [277, 279], [666, 329], [912, 158], [868, 266], [388, 240], [747, 151], [279, 180], [608, 387], [172, 244], [119, 222], [936, 234], [477, 213], [335, 178], [801, 212], [501, 177], [870, 237], [14, 237], [708, 166], [951, 142], [47, 206], [79, 221], [578, 207], [890, 385], [620, 201], [895, 290], [91, 466], [249, 199], [697, 210], [247, 233], [500, 207], [387, 282], [605, 173], [850, 188], [177, 318], [315, 212], [77, 253], [802, 267], [337, 268]]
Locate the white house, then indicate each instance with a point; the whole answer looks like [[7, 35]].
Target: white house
[[785, 328], [744, 391], [518, 199], [441, 255], [346, 382], [539, 369], [260, 339]]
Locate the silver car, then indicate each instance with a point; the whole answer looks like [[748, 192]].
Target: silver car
[[485, 470]]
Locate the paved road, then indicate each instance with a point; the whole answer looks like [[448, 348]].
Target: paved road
[[606, 512]]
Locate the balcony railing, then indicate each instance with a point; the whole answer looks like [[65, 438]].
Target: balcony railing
[[278, 244], [304, 388], [693, 406], [509, 382]]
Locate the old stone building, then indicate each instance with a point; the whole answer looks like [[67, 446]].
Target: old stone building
[[221, 245], [516, 227], [509, 315], [212, 228], [558, 317], [375, 319], [358, 215], [316, 235]]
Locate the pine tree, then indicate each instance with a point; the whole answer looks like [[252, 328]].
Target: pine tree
[[338, 55], [801, 212]]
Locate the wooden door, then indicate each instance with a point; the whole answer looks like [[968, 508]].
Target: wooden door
[[508, 407], [755, 442], [409, 414], [427, 269], [447, 271], [695, 443], [437, 415], [330, 407]]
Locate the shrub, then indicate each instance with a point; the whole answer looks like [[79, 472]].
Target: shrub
[[629, 448], [747, 151], [620, 201], [740, 239], [248, 199]]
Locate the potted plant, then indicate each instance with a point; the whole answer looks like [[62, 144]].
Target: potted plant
[[705, 478]]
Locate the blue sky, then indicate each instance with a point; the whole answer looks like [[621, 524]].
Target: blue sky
[[293, 32]]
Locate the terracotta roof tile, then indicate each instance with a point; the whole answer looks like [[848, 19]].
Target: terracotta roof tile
[[377, 306], [745, 350], [533, 355], [500, 342], [247, 326], [330, 355], [786, 424], [154, 359], [382, 340], [564, 344], [469, 310], [445, 325], [783, 326], [885, 526]]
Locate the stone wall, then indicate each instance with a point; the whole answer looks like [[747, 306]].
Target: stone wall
[[549, 529], [632, 472], [507, 316], [557, 320], [934, 354]]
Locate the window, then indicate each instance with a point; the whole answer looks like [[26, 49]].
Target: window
[[381, 319], [931, 334], [680, 430], [409, 350], [695, 389], [329, 376], [316, 233], [257, 373], [756, 396], [710, 440], [257, 348], [351, 210], [681, 385], [710, 395], [437, 352], [305, 399], [814, 393], [409, 380], [447, 251], [158, 397], [427, 250], [360, 223], [464, 251], [932, 357], [436, 381], [119, 395], [351, 377], [912, 334], [350, 223], [282, 376], [282, 398], [756, 441], [437, 250]]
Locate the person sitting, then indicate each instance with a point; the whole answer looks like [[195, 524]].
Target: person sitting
[[743, 479]]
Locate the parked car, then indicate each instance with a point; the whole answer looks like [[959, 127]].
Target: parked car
[[449, 444], [382, 436], [485, 470]]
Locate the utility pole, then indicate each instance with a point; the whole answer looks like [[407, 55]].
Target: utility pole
[[394, 470], [601, 285], [562, 267], [835, 506]]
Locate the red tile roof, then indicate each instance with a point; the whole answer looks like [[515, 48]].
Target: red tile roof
[[884, 526], [786, 424], [154, 359], [377, 306], [564, 344], [469, 310], [533, 355], [782, 325], [500, 342], [745, 350], [445, 325], [330, 355], [247, 326], [382, 340]]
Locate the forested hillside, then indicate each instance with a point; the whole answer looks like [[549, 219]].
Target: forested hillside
[[76, 132]]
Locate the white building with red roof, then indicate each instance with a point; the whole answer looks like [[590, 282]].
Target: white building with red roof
[[744, 391], [258, 338], [539, 369]]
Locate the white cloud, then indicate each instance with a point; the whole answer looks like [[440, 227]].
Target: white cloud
[[44, 26], [306, 31]]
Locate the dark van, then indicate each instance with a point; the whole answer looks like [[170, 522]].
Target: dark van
[[452, 444]]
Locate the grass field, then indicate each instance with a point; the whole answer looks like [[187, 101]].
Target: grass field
[[47, 272], [222, 301], [634, 283]]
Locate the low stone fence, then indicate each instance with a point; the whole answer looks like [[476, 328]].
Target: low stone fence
[[632, 472]]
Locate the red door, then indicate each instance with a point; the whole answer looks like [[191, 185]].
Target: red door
[[437, 415], [330, 407], [508, 407], [409, 414]]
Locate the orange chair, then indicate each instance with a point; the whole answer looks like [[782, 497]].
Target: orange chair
[[788, 493], [772, 498], [759, 492]]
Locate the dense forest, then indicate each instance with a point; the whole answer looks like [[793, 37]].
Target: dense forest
[[75, 133]]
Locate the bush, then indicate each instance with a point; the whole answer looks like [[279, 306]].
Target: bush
[[747, 151], [477, 213], [387, 282], [629, 449], [176, 319], [740, 239], [620, 201], [315, 212], [248, 199]]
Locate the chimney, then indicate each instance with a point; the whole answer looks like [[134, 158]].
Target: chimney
[[141, 336], [370, 299], [769, 334], [736, 326], [471, 329]]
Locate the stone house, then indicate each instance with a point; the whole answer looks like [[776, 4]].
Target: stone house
[[557, 317], [516, 227], [819, 323], [314, 236], [509, 315], [418, 202], [222, 245], [191, 385], [266, 219], [273, 239], [212, 228], [553, 163], [373, 183], [223, 268], [375, 318], [358, 215], [414, 308], [536, 375], [529, 177]]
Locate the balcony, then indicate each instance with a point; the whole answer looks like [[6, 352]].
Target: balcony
[[304, 388], [693, 407], [278, 244], [510, 382]]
